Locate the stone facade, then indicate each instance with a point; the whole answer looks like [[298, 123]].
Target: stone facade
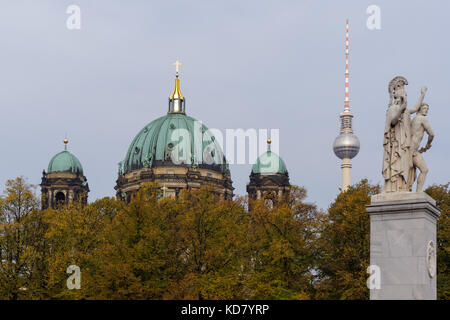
[[271, 187], [403, 245], [174, 179], [63, 188]]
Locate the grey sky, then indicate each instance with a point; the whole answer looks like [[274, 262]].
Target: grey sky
[[246, 64]]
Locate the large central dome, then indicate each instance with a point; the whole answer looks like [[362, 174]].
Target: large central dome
[[174, 139], [177, 151]]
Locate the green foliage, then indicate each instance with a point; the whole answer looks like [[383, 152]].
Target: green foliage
[[75, 236], [343, 246], [19, 237], [280, 242], [195, 246]]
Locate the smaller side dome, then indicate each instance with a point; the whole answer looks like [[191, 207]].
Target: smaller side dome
[[65, 162], [269, 163], [269, 178]]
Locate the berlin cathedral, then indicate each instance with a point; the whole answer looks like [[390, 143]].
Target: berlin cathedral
[[168, 151]]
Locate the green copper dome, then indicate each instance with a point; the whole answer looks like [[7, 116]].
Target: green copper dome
[[65, 162], [174, 139], [269, 163]]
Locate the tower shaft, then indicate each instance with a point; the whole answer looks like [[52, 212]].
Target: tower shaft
[[346, 166], [346, 145], [346, 119]]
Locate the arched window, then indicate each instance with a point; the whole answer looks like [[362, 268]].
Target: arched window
[[60, 198]]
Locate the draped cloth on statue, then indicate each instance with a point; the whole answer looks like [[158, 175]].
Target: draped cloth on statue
[[398, 170]]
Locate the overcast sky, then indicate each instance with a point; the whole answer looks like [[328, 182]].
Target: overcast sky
[[245, 64]]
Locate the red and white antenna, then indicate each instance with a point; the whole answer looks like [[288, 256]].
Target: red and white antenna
[[346, 108], [346, 145]]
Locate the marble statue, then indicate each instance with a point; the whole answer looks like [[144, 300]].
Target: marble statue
[[398, 164], [420, 125], [402, 222]]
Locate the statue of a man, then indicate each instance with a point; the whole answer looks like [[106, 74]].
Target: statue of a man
[[420, 125], [120, 165], [398, 168]]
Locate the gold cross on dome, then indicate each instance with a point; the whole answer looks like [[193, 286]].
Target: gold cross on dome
[[177, 65]]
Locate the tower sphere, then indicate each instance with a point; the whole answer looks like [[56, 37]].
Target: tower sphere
[[346, 145]]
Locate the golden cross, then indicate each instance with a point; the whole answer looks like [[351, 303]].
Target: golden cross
[[177, 65]]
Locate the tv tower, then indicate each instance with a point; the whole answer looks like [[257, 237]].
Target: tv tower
[[346, 145]]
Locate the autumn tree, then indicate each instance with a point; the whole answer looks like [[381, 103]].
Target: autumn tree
[[189, 247], [18, 238], [135, 258], [281, 239], [211, 245], [194, 246], [75, 237], [343, 246]]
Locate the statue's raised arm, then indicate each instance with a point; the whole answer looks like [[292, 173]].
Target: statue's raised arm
[[419, 103]]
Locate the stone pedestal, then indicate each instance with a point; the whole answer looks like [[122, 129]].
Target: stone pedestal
[[403, 245]]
